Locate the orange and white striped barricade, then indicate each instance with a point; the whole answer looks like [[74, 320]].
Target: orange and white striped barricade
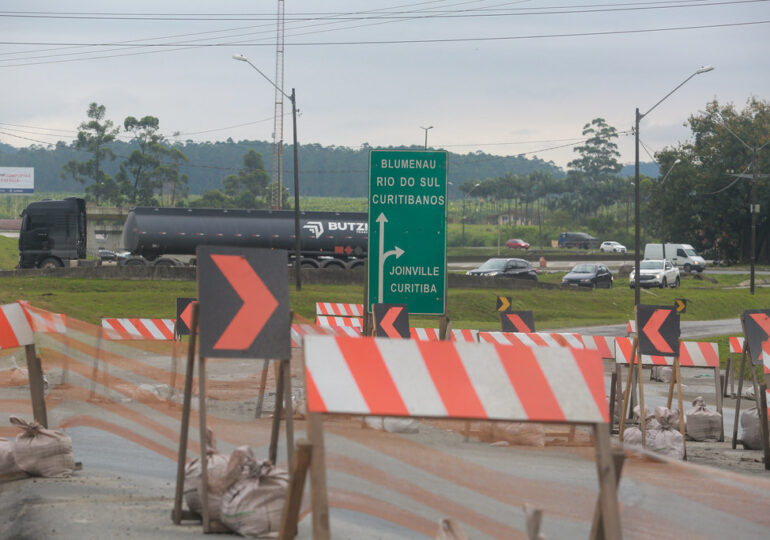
[[48, 322], [16, 331], [128, 329], [329, 321], [736, 348], [444, 379], [631, 328], [432, 334], [339, 310]]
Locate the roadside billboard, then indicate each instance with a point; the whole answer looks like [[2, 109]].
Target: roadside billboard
[[17, 180]]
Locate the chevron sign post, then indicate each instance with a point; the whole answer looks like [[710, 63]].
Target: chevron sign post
[[658, 336], [445, 379]]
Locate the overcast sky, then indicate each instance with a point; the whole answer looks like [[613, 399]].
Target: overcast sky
[[503, 77]]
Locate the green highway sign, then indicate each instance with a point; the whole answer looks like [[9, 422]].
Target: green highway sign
[[407, 230]]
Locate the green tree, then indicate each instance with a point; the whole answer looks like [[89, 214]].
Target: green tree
[[247, 189], [94, 137], [701, 201]]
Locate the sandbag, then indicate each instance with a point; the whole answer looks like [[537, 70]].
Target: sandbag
[[7, 461], [666, 439], [392, 424], [215, 467], [633, 434], [661, 373], [702, 423], [523, 433], [751, 433], [253, 505], [42, 452]]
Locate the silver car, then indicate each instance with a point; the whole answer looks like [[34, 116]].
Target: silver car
[[655, 273], [612, 247]]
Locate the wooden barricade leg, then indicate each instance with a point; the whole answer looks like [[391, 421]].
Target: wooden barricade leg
[[762, 403], [291, 508], [671, 384], [718, 383], [597, 526], [174, 369], [66, 367], [318, 494], [262, 384], [36, 386], [613, 397], [678, 371], [289, 409], [204, 493], [176, 514], [277, 411], [728, 375], [608, 487], [642, 410], [622, 426], [738, 399]]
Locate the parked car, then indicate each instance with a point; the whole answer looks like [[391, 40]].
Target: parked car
[[578, 240], [655, 273], [107, 255], [517, 243], [589, 275], [507, 268], [611, 246]]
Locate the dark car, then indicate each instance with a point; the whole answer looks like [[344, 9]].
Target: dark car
[[517, 243], [589, 275], [578, 240], [509, 268]]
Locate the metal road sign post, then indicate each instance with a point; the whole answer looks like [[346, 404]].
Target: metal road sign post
[[407, 230]]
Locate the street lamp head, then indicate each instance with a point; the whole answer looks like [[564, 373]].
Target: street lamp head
[[704, 69], [240, 58]]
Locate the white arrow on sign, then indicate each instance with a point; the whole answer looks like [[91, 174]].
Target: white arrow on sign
[[382, 220]]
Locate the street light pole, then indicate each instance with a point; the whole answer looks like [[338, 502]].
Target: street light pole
[[297, 230], [637, 119], [426, 135]]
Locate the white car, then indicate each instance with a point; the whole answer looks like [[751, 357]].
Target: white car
[[612, 247], [655, 273]]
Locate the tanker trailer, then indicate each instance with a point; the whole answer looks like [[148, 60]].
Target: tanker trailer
[[328, 239]]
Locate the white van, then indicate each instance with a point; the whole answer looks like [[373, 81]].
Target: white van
[[682, 255]]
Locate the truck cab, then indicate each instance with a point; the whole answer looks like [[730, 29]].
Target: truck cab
[[53, 233]]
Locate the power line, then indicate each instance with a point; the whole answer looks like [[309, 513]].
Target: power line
[[421, 14]]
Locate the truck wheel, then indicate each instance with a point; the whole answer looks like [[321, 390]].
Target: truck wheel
[[687, 268], [134, 262], [51, 262], [165, 262]]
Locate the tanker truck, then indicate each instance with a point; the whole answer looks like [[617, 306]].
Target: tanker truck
[[169, 236]]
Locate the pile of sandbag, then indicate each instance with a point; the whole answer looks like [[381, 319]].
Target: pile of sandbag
[[42, 452], [245, 494], [702, 423], [662, 432], [751, 431]]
